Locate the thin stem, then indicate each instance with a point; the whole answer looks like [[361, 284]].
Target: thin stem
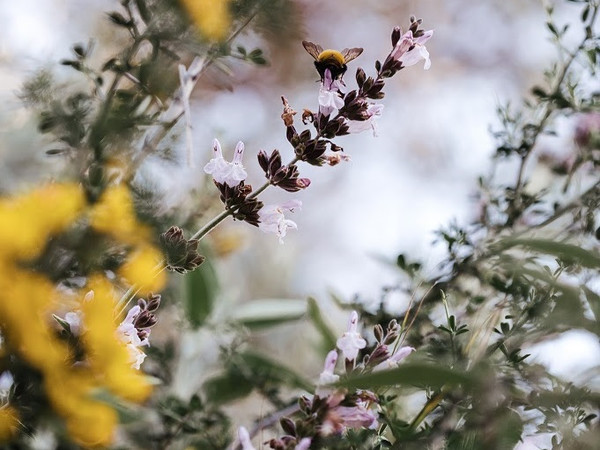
[[549, 109], [218, 219], [153, 142], [212, 224], [431, 404]]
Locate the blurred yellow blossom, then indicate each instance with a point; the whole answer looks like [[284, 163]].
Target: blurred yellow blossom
[[89, 422], [109, 356], [144, 269], [114, 215], [27, 222], [212, 17], [9, 422]]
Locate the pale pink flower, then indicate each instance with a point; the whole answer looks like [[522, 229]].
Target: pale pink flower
[[244, 439], [393, 361], [230, 173], [409, 51], [327, 376], [330, 99], [358, 126], [351, 342], [304, 444], [272, 218], [339, 418], [356, 416], [128, 334]]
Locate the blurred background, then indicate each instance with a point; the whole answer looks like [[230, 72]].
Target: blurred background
[[418, 174]]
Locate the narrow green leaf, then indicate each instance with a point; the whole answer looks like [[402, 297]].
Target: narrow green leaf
[[201, 287], [275, 371], [269, 312], [562, 250], [314, 312], [410, 374], [226, 387]]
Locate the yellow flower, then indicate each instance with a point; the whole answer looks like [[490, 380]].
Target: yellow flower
[[9, 422], [108, 356], [25, 315], [28, 220], [114, 215], [93, 425], [212, 17], [144, 269], [26, 224], [89, 422]]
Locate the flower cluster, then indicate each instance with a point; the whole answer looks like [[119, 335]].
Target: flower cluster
[[134, 331], [339, 113], [100, 360], [241, 203], [334, 410], [284, 176], [182, 254]]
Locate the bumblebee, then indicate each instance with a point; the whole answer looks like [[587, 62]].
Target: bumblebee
[[331, 59]]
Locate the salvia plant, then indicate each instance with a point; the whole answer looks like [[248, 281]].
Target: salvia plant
[[92, 265]]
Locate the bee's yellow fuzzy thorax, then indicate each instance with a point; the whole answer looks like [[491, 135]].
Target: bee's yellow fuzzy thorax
[[331, 55]]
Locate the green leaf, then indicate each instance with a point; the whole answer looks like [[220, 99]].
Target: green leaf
[[258, 314], [564, 251], [201, 287], [127, 412], [275, 371], [539, 92], [314, 312], [226, 388], [410, 374], [552, 28]]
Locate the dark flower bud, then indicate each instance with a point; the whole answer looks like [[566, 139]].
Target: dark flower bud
[[182, 255], [305, 136], [292, 136], [288, 425], [153, 302], [276, 444], [145, 320], [263, 160], [380, 354], [304, 404], [378, 332], [396, 34], [361, 76]]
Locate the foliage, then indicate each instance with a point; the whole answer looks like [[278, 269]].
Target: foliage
[[81, 264]]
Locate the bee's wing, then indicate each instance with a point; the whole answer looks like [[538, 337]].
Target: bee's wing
[[351, 53], [313, 49]]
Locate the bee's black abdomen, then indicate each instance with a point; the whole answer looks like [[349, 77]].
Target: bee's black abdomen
[[337, 70]]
